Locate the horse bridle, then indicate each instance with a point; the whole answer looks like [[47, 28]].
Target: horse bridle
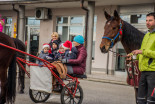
[[113, 40]]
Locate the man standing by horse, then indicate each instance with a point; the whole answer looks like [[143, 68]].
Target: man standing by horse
[[146, 57]]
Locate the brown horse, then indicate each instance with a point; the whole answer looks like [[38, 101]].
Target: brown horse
[[116, 29], [7, 59]]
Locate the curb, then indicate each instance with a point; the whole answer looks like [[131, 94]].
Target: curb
[[107, 81]]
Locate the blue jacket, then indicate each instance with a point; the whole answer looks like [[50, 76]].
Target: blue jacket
[[43, 56], [67, 55]]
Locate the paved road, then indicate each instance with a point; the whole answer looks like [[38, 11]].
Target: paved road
[[94, 93]]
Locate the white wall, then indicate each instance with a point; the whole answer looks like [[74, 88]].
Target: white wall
[[100, 58]]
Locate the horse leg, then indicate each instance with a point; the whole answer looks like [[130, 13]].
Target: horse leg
[[21, 80], [3, 80]]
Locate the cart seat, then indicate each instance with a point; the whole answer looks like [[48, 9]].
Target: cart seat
[[79, 76]]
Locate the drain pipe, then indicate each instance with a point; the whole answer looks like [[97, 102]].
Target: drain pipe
[[17, 18], [21, 31], [88, 39], [86, 22]]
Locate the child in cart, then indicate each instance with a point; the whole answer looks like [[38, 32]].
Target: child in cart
[[44, 54], [54, 49], [66, 51]]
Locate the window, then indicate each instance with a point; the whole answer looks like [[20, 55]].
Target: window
[[32, 21], [8, 26], [134, 18], [69, 27], [120, 66], [62, 20], [137, 20]]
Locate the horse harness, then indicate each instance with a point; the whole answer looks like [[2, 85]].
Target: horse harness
[[118, 34]]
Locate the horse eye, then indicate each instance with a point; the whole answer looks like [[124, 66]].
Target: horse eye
[[114, 28]]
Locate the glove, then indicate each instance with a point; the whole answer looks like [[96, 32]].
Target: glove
[[40, 65], [48, 57], [64, 61], [60, 58]]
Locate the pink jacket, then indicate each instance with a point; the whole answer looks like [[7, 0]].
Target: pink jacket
[[79, 64]]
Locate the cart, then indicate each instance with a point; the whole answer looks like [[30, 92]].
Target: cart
[[71, 92]]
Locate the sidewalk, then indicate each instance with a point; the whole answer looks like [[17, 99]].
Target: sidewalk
[[103, 77]]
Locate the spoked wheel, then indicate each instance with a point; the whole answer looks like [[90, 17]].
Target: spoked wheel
[[38, 96], [68, 98]]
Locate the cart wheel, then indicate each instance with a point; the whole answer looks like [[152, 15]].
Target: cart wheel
[[67, 98], [38, 96]]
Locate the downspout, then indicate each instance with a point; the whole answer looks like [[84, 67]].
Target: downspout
[[17, 18], [107, 66], [21, 28], [86, 22]]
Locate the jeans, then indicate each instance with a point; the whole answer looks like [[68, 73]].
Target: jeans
[[69, 69], [146, 86]]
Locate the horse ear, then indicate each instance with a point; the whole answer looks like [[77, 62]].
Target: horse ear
[[107, 16], [116, 15]]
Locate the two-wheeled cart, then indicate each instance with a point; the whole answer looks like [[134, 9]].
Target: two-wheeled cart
[[71, 92]]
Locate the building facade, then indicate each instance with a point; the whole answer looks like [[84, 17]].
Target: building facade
[[68, 19]]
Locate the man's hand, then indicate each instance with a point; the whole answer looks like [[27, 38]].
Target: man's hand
[[128, 57], [135, 52]]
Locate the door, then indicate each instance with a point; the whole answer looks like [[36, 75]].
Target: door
[[33, 42]]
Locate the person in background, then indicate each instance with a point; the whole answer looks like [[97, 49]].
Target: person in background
[[78, 65], [44, 54]]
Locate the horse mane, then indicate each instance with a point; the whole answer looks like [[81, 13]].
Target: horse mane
[[132, 37]]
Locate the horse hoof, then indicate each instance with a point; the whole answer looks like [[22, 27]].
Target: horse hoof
[[21, 92]]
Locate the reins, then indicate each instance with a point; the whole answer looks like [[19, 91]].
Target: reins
[[117, 54]]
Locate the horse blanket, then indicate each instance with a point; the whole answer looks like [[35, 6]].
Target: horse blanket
[[130, 79]]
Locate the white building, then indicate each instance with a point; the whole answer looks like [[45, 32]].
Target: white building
[[68, 19]]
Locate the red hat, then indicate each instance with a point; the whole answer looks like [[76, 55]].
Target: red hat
[[67, 45], [46, 45]]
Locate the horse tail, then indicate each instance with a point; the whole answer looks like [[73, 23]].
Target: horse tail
[[11, 84], [21, 74]]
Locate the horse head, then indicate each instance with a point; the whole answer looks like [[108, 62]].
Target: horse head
[[112, 31]]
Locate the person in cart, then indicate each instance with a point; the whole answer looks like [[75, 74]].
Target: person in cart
[[44, 54], [66, 51], [78, 65]]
